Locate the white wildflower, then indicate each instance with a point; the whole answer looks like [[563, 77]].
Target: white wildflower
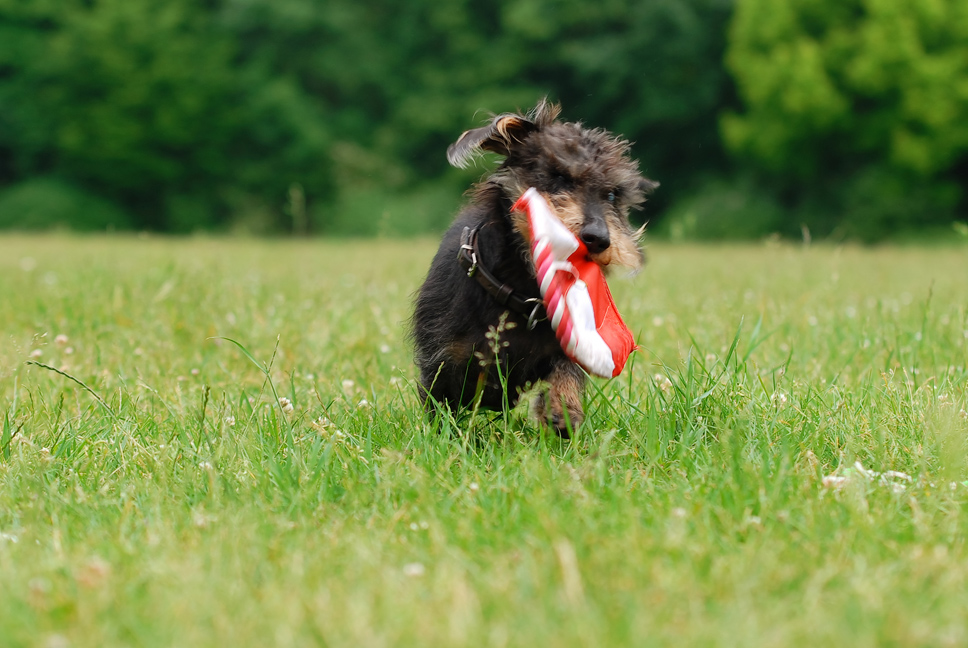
[[325, 427], [413, 570], [896, 474], [230, 421], [833, 481], [890, 478], [202, 519], [286, 405], [61, 340], [57, 641]]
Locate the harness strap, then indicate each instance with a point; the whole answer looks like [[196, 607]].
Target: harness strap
[[469, 257]]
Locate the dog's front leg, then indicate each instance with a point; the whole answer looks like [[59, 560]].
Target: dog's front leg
[[560, 407]]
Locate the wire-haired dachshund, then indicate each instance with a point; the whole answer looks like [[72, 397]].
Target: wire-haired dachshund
[[478, 326]]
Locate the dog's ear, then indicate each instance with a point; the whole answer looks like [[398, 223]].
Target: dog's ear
[[639, 190], [647, 186], [499, 137]]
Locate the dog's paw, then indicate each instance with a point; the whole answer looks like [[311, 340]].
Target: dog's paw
[[557, 414]]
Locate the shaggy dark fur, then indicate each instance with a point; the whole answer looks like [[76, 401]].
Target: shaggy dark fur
[[465, 341]]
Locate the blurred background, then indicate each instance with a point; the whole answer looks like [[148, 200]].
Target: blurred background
[[835, 119]]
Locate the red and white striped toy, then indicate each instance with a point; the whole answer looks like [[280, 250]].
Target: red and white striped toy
[[576, 296]]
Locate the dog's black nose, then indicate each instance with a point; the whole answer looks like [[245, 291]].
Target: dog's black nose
[[595, 237]]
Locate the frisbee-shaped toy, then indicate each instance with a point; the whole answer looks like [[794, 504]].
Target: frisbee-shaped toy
[[579, 305]]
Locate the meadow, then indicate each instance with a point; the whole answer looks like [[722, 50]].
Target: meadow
[[218, 442]]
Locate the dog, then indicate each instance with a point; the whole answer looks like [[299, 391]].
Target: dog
[[478, 326]]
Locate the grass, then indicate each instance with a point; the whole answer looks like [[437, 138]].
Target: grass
[[723, 491]]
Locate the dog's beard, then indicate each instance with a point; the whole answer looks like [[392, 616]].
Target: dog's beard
[[624, 252]]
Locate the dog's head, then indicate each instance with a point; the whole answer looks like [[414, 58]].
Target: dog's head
[[586, 175]]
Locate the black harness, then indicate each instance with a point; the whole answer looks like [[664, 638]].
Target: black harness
[[469, 257]]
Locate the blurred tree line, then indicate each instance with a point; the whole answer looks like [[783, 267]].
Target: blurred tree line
[[845, 117]]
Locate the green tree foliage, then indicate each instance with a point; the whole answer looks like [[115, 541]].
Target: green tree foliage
[[400, 81], [337, 114], [143, 102], [857, 109], [334, 115], [45, 203]]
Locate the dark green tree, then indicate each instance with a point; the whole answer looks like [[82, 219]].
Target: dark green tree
[[402, 80], [195, 114], [142, 102]]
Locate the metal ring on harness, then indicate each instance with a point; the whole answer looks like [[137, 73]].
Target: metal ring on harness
[[534, 317], [470, 248]]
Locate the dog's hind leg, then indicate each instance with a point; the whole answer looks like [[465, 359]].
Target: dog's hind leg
[[560, 406]]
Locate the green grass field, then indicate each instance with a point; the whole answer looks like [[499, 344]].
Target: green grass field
[[784, 464]]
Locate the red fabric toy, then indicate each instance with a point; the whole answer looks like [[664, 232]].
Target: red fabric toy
[[576, 296]]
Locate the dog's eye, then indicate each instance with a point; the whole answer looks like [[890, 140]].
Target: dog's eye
[[560, 182], [611, 197]]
